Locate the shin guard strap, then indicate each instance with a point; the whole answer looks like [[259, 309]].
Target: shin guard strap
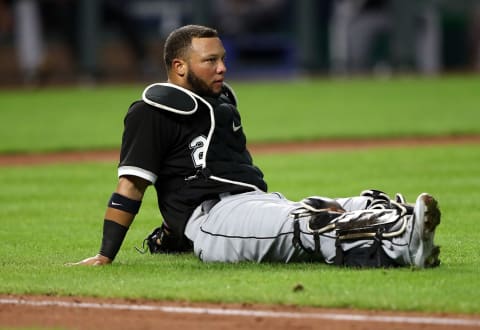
[[315, 253]]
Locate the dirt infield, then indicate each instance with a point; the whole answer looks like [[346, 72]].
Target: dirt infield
[[257, 148], [89, 313]]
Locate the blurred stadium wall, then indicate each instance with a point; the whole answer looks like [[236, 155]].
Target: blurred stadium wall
[[53, 41]]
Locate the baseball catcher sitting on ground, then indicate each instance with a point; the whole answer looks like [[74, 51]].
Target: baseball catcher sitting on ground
[[185, 138]]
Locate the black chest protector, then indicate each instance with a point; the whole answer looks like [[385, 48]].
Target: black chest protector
[[222, 161]]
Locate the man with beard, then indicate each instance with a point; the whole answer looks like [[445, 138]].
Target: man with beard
[[185, 137]]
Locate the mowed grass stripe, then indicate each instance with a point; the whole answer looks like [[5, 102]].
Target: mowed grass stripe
[[91, 118]]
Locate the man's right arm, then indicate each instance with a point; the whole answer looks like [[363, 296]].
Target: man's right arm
[[119, 215]]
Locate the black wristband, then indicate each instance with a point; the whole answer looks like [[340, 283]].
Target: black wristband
[[123, 203], [113, 235]]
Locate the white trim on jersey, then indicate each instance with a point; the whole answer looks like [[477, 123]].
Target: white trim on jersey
[[238, 183], [137, 171]]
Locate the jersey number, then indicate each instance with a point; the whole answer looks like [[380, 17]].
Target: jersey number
[[198, 146]]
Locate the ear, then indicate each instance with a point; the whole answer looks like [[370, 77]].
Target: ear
[[180, 67]]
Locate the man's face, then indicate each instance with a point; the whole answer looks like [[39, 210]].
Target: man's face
[[206, 66]]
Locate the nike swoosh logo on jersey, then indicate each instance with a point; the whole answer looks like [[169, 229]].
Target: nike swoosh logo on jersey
[[116, 204], [236, 128]]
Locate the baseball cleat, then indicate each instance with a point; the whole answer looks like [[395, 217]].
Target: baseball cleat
[[425, 219]]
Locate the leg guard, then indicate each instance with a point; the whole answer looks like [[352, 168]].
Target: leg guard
[[321, 211], [377, 199], [359, 236], [353, 239], [318, 203], [380, 200]]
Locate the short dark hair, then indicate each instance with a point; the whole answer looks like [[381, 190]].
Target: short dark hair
[[180, 40]]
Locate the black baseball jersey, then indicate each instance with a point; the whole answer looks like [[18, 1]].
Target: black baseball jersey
[[190, 157]]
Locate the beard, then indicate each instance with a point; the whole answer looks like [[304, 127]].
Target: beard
[[199, 86]]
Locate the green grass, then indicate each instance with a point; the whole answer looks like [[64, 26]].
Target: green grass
[[63, 119], [361, 108], [53, 214], [72, 118]]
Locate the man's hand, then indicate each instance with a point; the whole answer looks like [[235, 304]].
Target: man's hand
[[97, 260]]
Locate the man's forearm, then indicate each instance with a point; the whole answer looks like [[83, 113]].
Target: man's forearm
[[119, 215]]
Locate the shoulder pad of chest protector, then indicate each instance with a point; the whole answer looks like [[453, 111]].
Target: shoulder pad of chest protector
[[170, 97]]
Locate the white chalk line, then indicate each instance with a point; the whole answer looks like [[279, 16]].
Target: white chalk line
[[249, 312]]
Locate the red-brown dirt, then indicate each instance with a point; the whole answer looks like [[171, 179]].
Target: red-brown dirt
[[257, 148], [90, 313]]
